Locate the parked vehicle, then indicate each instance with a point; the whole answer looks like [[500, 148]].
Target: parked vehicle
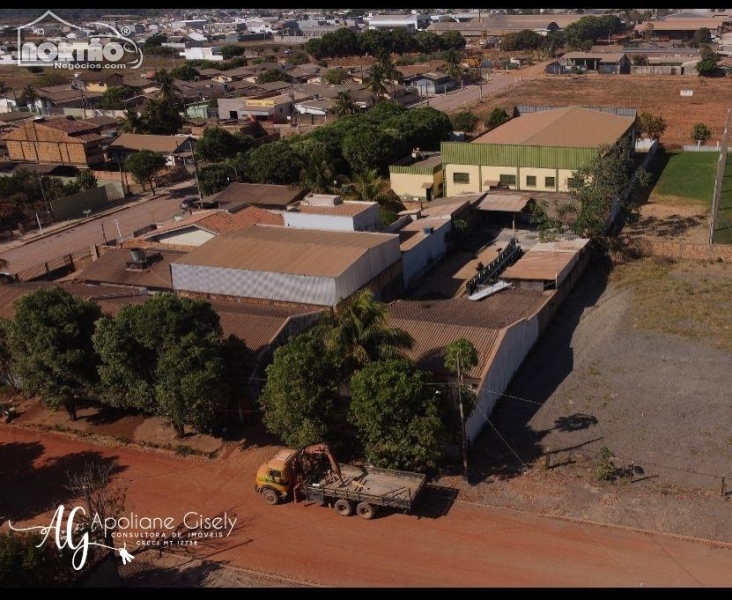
[[312, 473]]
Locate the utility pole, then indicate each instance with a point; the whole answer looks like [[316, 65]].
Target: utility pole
[[462, 421], [195, 168]]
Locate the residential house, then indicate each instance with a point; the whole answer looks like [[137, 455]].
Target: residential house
[[263, 195], [331, 212], [98, 80], [275, 109], [176, 148], [616, 64], [53, 99], [539, 150], [431, 83], [62, 140]]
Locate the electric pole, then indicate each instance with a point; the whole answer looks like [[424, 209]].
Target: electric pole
[[462, 421]]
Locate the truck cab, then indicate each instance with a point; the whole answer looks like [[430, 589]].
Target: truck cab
[[274, 478]]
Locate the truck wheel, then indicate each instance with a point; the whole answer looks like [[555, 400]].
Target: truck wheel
[[366, 510], [343, 507], [270, 496]]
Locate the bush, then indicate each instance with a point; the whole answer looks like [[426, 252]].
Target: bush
[[605, 469]]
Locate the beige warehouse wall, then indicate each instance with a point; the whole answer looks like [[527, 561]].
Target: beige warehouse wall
[[403, 184], [453, 189]]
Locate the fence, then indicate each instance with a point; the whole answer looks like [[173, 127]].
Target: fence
[[699, 148], [74, 206], [721, 168], [59, 267]]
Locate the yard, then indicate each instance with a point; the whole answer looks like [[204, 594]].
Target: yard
[[723, 231], [687, 178]]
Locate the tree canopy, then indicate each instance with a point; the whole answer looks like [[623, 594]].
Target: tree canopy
[[50, 341], [144, 166], [218, 144], [398, 416]]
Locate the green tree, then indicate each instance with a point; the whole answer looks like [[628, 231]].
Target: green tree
[[368, 186], [317, 173], [115, 96], [653, 126], [144, 166], [156, 39], [701, 133], [86, 180], [520, 40], [452, 40], [272, 75], [164, 357], [184, 72], [707, 67], [497, 117], [397, 416], [133, 122], [377, 82], [50, 341], [216, 177], [161, 117], [427, 42], [231, 50], [701, 36], [28, 96], [300, 398], [218, 144], [166, 92], [424, 128], [371, 148], [461, 356], [361, 333], [27, 562], [273, 163], [464, 121], [601, 182], [453, 68], [344, 104], [336, 76]]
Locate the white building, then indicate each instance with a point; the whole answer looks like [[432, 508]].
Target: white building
[[329, 212], [284, 264], [403, 21], [202, 54]]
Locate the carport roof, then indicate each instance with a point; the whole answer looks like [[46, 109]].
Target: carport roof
[[505, 202]]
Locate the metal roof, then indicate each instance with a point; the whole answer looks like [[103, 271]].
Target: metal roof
[[347, 209], [262, 194], [266, 248], [573, 127], [542, 266], [167, 144], [505, 202], [111, 267]]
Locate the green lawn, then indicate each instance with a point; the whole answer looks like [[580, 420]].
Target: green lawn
[[723, 230], [687, 178]]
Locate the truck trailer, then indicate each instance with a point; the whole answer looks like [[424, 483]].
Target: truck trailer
[[312, 473]]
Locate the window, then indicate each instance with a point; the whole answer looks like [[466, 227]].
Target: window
[[549, 182], [574, 182], [507, 179], [531, 181], [461, 177]]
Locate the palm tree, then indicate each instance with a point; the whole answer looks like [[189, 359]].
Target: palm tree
[[389, 70], [167, 91], [377, 80], [344, 104], [368, 186], [133, 122], [452, 66], [361, 333], [28, 95], [317, 174]]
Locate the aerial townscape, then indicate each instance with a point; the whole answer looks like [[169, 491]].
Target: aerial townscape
[[461, 276]]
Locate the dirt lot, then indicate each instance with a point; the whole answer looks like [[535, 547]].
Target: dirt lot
[[639, 364], [658, 95]]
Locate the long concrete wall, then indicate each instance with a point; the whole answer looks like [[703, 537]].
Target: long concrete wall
[[71, 207]]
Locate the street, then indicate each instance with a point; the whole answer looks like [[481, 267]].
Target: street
[[462, 545], [96, 229]]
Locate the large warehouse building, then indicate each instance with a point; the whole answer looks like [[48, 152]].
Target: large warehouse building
[[282, 264], [537, 151]]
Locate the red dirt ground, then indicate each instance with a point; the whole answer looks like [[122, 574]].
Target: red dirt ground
[[468, 546]]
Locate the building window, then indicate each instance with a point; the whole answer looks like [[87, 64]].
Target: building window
[[549, 182], [461, 177], [574, 182], [507, 179], [531, 181]]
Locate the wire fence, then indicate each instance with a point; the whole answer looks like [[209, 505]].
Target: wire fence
[[721, 168]]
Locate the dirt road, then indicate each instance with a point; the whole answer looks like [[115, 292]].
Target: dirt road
[[469, 546]]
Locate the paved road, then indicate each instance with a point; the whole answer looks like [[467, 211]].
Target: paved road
[[93, 231], [466, 546]]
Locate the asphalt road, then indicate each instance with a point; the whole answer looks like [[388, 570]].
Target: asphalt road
[[96, 229], [443, 545]]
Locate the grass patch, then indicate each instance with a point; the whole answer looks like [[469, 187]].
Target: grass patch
[[684, 299], [687, 178], [723, 230]]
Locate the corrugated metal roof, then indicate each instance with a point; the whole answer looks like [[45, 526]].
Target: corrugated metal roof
[[111, 267], [168, 144], [499, 310], [505, 202], [445, 210], [347, 209], [572, 127], [679, 25], [286, 250], [262, 194], [413, 233], [431, 339], [541, 266]]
